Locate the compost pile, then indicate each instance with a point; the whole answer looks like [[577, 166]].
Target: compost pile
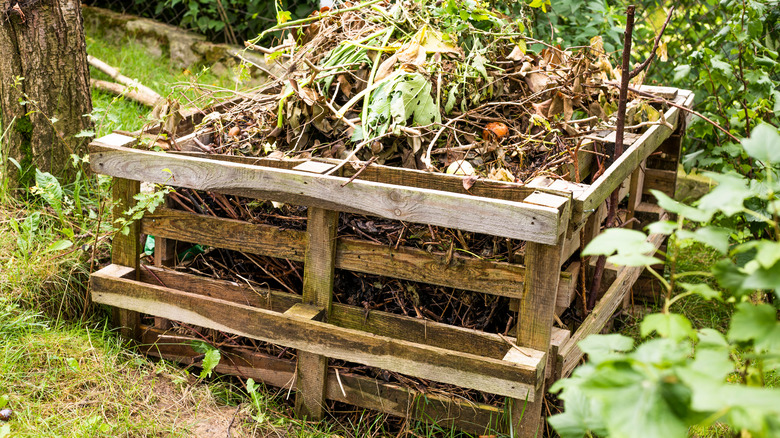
[[448, 88]]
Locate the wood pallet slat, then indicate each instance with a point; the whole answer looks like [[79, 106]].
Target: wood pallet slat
[[456, 271], [485, 215], [471, 371]]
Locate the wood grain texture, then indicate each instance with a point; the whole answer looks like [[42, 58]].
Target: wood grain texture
[[570, 354], [318, 278], [379, 323], [397, 176], [636, 188], [535, 321], [126, 251], [361, 391], [662, 180], [490, 216], [462, 369], [628, 162], [456, 271], [567, 290], [226, 233]]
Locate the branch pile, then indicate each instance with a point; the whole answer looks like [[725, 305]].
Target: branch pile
[[448, 88]]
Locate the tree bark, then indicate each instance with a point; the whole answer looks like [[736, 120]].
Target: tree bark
[[44, 86]]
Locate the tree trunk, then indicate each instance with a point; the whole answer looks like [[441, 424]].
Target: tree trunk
[[44, 86]]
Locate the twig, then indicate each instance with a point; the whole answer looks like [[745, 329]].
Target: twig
[[365, 166], [341, 385], [232, 420], [125, 91], [318, 17], [601, 262], [635, 72], [682, 108]]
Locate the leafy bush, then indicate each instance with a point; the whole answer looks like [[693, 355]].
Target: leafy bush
[[683, 377], [232, 21]]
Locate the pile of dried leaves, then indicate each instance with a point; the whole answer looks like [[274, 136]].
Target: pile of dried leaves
[[442, 87]]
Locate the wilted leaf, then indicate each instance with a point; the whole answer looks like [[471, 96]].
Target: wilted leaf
[[397, 100], [469, 181], [518, 52], [501, 174]]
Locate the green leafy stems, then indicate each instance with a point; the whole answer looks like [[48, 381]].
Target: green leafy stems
[[679, 377]]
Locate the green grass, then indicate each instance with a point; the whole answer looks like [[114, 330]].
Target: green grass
[[190, 88], [71, 381]]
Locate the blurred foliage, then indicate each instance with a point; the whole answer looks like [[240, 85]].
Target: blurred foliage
[[232, 21]]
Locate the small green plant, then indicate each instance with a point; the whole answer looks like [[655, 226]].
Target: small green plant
[[145, 202], [680, 377], [211, 358], [259, 401]]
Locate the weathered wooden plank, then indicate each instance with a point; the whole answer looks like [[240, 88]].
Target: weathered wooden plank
[[535, 322], [226, 233], [126, 250], [379, 323], [360, 391], [567, 290], [456, 271], [570, 354], [462, 369], [626, 163], [558, 339], [662, 180], [396, 176], [306, 311], [318, 278], [490, 216], [636, 188], [164, 255]]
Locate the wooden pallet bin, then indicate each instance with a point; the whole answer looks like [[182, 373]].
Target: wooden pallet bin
[[550, 215]]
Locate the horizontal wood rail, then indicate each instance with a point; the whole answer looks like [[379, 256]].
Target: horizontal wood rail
[[515, 220], [112, 286], [365, 392], [380, 323], [587, 201], [456, 271]]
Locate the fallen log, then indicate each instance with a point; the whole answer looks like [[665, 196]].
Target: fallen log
[[141, 90]]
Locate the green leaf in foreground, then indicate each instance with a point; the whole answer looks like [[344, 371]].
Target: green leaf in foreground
[[756, 323], [210, 362], [763, 144], [668, 325]]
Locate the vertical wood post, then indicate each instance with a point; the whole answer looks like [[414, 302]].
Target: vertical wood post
[[535, 317], [126, 251], [318, 278], [635, 190], [164, 255], [535, 320]]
